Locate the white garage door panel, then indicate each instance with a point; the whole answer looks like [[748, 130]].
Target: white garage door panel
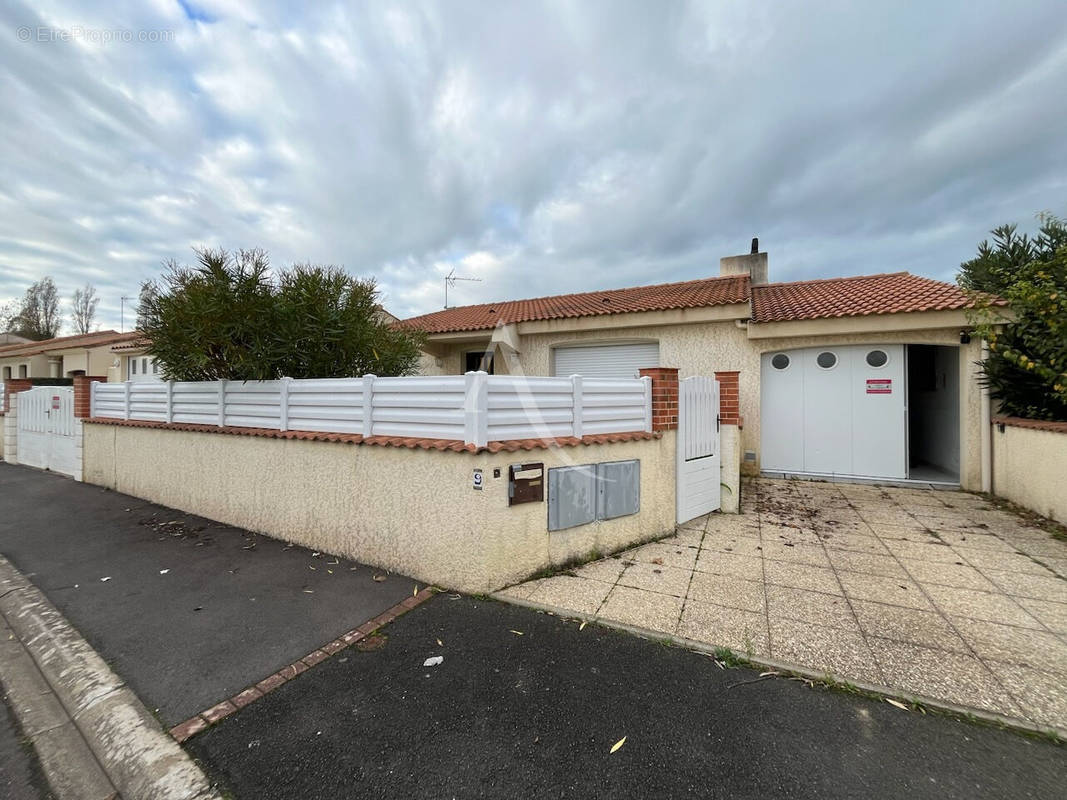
[[782, 416], [605, 361], [850, 419]]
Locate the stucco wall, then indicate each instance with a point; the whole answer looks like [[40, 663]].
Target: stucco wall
[[1030, 468], [407, 510]]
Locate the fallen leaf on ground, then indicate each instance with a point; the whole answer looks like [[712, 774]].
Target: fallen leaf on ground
[[330, 571], [433, 661], [582, 626], [766, 674], [105, 580], [164, 571], [518, 633], [658, 561], [309, 591], [617, 745], [440, 643], [415, 591], [311, 567], [896, 703], [379, 578]]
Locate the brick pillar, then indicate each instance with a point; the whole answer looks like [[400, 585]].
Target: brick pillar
[[83, 387], [664, 397], [730, 398], [13, 386]]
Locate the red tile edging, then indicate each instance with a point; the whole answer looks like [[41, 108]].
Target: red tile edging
[[451, 445], [1033, 424], [208, 717]]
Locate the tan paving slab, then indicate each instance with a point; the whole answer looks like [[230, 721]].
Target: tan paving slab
[[955, 677], [743, 632], [856, 542], [726, 590], [740, 545], [980, 541], [1057, 565], [1010, 644], [924, 628], [895, 591], [922, 552], [867, 563], [691, 538], [734, 524], [1049, 586], [656, 578], [815, 607], [1041, 548], [1052, 615], [672, 555], [984, 558], [801, 576], [945, 574], [813, 555], [747, 567], [911, 497], [575, 594], [886, 515], [913, 533], [606, 570], [1042, 695], [842, 653], [782, 533], [642, 609], [987, 606]]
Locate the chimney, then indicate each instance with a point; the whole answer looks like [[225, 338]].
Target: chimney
[[754, 265]]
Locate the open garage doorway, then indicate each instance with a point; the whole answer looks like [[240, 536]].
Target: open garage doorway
[[933, 413]]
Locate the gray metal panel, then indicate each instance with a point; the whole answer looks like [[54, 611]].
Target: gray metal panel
[[571, 496], [618, 489]]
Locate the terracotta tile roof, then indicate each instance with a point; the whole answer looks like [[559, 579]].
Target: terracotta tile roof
[[889, 293], [96, 339], [661, 297], [128, 345]]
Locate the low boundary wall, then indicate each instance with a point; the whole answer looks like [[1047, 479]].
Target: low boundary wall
[[410, 507], [1030, 464]]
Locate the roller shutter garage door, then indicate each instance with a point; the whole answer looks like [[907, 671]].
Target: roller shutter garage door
[[605, 360]]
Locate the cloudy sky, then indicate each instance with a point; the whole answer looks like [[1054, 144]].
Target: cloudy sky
[[542, 147]]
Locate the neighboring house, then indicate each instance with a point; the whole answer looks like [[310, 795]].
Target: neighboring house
[[63, 357], [870, 376], [132, 362], [12, 338]]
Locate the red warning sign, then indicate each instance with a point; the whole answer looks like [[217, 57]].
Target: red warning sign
[[879, 386], [55, 401]]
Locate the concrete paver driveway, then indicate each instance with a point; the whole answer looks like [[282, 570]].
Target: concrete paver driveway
[[931, 593]]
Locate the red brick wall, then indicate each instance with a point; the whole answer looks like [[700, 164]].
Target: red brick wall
[[664, 397], [83, 386], [729, 398]]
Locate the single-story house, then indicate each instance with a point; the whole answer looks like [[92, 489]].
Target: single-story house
[[132, 362], [873, 376], [62, 357]]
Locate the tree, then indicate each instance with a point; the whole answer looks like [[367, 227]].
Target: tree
[[149, 291], [38, 314], [84, 303], [1026, 370], [230, 318]]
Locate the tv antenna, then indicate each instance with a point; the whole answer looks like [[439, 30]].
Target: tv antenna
[[450, 280]]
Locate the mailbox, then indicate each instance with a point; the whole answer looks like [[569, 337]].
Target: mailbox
[[526, 483]]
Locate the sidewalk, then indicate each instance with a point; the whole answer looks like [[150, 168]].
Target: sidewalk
[[186, 610]]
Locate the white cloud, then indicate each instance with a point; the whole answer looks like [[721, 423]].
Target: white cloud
[[541, 147]]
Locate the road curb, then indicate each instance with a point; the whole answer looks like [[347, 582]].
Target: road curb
[[133, 754], [887, 692]]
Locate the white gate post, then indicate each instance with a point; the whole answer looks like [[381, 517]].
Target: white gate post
[[11, 430], [476, 409], [283, 400], [126, 400], [647, 381], [170, 401], [576, 405], [222, 403], [368, 405]]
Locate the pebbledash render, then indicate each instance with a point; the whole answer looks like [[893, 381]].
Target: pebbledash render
[[873, 376]]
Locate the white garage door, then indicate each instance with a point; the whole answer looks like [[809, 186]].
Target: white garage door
[[834, 411], [605, 360]]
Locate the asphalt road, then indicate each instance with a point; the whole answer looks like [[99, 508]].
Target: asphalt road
[[20, 774], [186, 610], [528, 705]]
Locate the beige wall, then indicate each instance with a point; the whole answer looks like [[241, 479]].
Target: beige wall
[[1030, 468], [94, 361], [410, 511]]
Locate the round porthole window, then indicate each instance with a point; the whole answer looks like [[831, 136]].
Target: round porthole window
[[826, 359], [877, 358], [780, 361]]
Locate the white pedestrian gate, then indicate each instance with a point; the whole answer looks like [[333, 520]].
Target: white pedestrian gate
[[698, 448], [46, 428]]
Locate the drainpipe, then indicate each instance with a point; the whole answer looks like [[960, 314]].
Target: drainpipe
[[987, 429]]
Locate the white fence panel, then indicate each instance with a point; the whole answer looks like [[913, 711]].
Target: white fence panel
[[474, 408]]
